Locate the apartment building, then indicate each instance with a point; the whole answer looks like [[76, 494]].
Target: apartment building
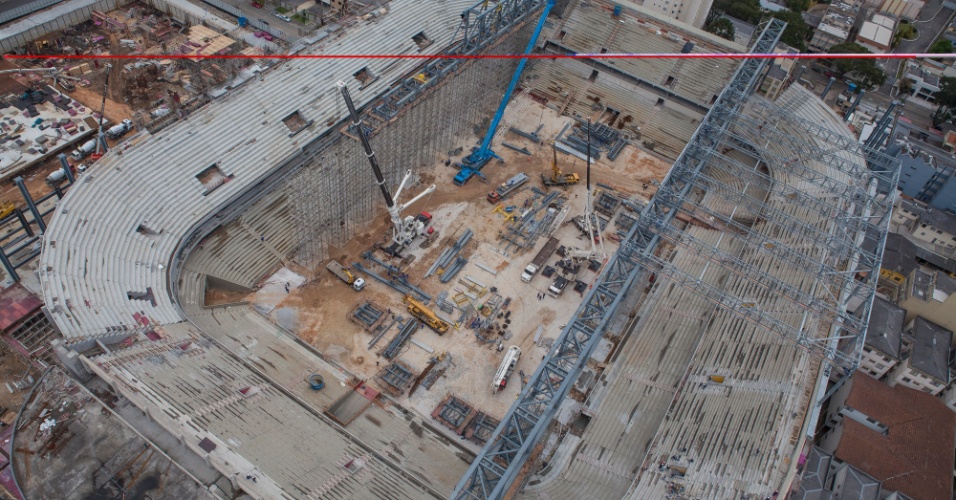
[[924, 360]]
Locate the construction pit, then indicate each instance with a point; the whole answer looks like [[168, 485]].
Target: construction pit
[[362, 331]]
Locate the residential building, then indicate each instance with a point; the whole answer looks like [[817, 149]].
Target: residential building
[[824, 478], [900, 258], [778, 73], [924, 363], [896, 435], [928, 227], [881, 349], [835, 27], [692, 12], [931, 295], [876, 34], [925, 83], [902, 9]]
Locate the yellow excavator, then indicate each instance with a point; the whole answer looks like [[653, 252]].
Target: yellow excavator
[[558, 178], [425, 315], [6, 208]]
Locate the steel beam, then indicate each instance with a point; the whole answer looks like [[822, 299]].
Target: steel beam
[[498, 463]]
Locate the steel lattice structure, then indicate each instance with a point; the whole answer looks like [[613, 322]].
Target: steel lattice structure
[[496, 466], [808, 205]]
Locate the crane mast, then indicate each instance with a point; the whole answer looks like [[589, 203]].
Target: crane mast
[[403, 231]]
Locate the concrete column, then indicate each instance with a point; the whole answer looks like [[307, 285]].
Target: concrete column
[[32, 206], [66, 168], [827, 89], [800, 71], [853, 106]]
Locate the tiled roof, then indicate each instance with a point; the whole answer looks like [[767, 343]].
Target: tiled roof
[[930, 350], [885, 329], [915, 456]]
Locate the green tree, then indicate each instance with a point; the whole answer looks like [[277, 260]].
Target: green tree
[[941, 46], [798, 5], [745, 10], [722, 27], [797, 31], [864, 71], [946, 101]]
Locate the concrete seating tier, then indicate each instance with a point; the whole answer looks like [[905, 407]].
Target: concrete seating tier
[[115, 232]]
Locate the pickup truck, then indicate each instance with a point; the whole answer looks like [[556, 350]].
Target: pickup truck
[[557, 288]]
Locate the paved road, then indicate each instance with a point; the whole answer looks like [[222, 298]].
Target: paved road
[[932, 20]]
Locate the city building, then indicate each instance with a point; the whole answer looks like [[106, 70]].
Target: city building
[[931, 296], [928, 227], [924, 363], [824, 477], [778, 73], [896, 435], [690, 12], [884, 332], [876, 34], [835, 26], [924, 83], [902, 9]]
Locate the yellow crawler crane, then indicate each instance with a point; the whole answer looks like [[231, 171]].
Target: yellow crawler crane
[[425, 315]]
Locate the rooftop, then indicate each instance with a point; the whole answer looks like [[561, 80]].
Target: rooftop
[[939, 219], [916, 456], [16, 303], [885, 330], [930, 350]]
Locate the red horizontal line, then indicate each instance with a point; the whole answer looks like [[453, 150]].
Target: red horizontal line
[[490, 56]]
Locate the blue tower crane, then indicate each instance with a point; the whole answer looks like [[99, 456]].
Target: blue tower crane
[[472, 164]]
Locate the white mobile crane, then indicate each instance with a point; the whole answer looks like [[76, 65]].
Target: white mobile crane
[[590, 252], [403, 230]]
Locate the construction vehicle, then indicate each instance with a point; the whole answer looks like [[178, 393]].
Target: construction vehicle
[[100, 141], [403, 230], [117, 131], [472, 164], [425, 315], [539, 259], [588, 253], [6, 208], [557, 288], [507, 188], [345, 275], [85, 150], [558, 178], [505, 368]]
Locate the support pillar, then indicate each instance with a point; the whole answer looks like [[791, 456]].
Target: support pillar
[[102, 139], [23, 222], [800, 71], [827, 89], [66, 168], [32, 206], [8, 266], [853, 106]]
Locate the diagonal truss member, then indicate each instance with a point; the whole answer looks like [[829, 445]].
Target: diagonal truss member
[[498, 463]]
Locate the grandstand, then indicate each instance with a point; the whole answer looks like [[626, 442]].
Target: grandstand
[[660, 101], [701, 402], [124, 271]]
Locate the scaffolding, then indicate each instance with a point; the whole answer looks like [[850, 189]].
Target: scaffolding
[[756, 182]]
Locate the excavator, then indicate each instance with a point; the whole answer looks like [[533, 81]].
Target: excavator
[[558, 178]]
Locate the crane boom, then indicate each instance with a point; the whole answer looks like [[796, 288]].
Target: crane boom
[[473, 163], [357, 125], [403, 231], [99, 133]]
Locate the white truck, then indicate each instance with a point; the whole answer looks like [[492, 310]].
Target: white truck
[[539, 259], [504, 370], [84, 150], [117, 131]]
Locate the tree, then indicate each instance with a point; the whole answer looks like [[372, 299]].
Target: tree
[[864, 71], [941, 46], [723, 28], [798, 5], [745, 10], [796, 32], [946, 100]]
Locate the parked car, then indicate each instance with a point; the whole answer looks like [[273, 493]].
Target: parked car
[[283, 17], [256, 5]]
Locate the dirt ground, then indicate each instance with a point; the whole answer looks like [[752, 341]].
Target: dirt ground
[[12, 369], [324, 302]]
